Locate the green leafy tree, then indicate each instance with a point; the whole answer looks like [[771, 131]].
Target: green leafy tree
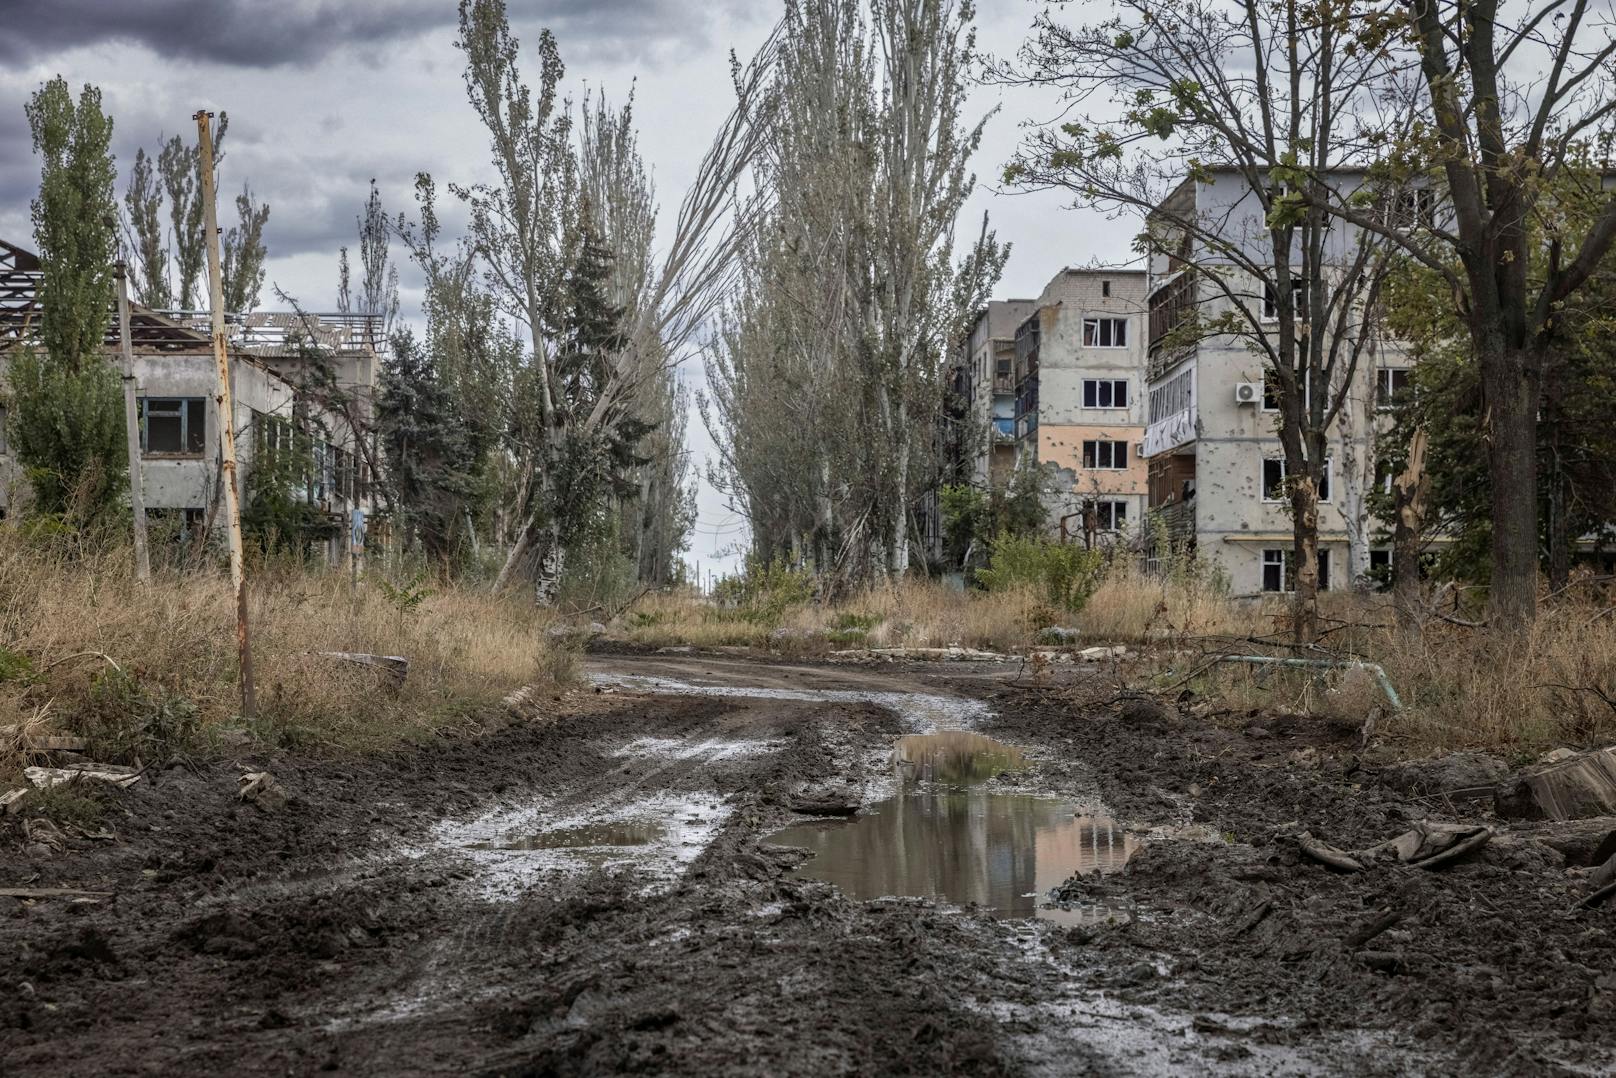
[[67, 409], [73, 220], [431, 457], [67, 429]]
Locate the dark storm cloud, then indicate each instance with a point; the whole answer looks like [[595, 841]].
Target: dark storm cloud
[[255, 33], [246, 33]]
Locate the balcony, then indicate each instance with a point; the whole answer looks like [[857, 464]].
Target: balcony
[[1170, 307]]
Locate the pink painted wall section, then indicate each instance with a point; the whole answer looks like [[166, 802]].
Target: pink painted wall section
[[1062, 446]]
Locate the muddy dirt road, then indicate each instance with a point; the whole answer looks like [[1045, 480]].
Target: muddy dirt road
[[627, 888]]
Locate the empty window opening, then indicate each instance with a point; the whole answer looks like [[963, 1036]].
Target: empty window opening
[[1105, 393], [173, 424], [1101, 454]]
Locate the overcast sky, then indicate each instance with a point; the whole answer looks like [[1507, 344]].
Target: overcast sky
[[324, 95]]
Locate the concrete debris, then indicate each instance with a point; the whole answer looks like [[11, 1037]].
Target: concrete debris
[[1102, 654], [395, 666], [46, 777], [1570, 788], [1554, 756], [32, 740], [11, 800], [948, 654], [261, 789]]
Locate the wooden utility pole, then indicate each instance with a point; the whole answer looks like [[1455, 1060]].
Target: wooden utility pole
[[225, 409], [131, 423]]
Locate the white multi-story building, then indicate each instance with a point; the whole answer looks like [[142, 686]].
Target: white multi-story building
[[1216, 468]]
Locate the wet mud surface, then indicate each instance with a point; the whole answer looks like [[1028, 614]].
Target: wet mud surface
[[625, 888]]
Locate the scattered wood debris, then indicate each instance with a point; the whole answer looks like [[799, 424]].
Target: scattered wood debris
[[1565, 787], [52, 892], [46, 777]]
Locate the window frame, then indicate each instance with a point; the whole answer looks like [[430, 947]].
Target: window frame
[[1286, 579], [1091, 391], [1092, 338], [1270, 300], [1387, 394], [1091, 460], [183, 412], [1326, 488]]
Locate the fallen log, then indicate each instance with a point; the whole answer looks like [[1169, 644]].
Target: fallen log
[[51, 892], [1326, 854], [1364, 933]]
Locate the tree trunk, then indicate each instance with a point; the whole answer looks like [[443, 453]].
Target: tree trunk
[[1409, 492], [1510, 391], [552, 565], [1305, 555], [1559, 524]]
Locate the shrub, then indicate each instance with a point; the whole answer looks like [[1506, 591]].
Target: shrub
[[1063, 574]]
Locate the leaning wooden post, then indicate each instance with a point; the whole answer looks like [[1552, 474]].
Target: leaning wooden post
[[226, 409], [131, 423]]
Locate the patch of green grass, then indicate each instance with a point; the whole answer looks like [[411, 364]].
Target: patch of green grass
[[76, 804], [848, 621]]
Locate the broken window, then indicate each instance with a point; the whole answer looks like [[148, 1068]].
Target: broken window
[[1111, 516], [1105, 332], [1390, 384], [1105, 393], [1276, 571], [1270, 307], [1274, 473], [173, 424], [1100, 454]]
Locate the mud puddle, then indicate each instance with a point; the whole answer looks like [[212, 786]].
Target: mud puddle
[[947, 835], [924, 712], [656, 837]]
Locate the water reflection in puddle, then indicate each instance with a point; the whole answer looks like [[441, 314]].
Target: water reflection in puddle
[[955, 757], [1002, 851], [947, 837]]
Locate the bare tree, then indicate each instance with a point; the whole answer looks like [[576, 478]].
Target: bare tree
[[1514, 97], [528, 233], [850, 297], [378, 280]]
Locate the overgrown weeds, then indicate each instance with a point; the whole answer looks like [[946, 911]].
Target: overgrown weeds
[[149, 671]]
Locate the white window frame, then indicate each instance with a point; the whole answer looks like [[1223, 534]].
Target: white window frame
[[1113, 383], [1326, 489], [1110, 453], [1105, 508], [1287, 582], [1092, 334], [1385, 393]]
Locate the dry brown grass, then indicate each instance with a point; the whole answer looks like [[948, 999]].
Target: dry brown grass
[[1513, 693], [138, 668]]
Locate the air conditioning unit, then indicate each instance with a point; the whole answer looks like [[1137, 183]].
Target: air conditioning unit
[[1248, 392]]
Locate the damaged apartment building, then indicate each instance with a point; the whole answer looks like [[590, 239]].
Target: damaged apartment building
[[1057, 383], [1128, 420], [1216, 467], [296, 379]]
